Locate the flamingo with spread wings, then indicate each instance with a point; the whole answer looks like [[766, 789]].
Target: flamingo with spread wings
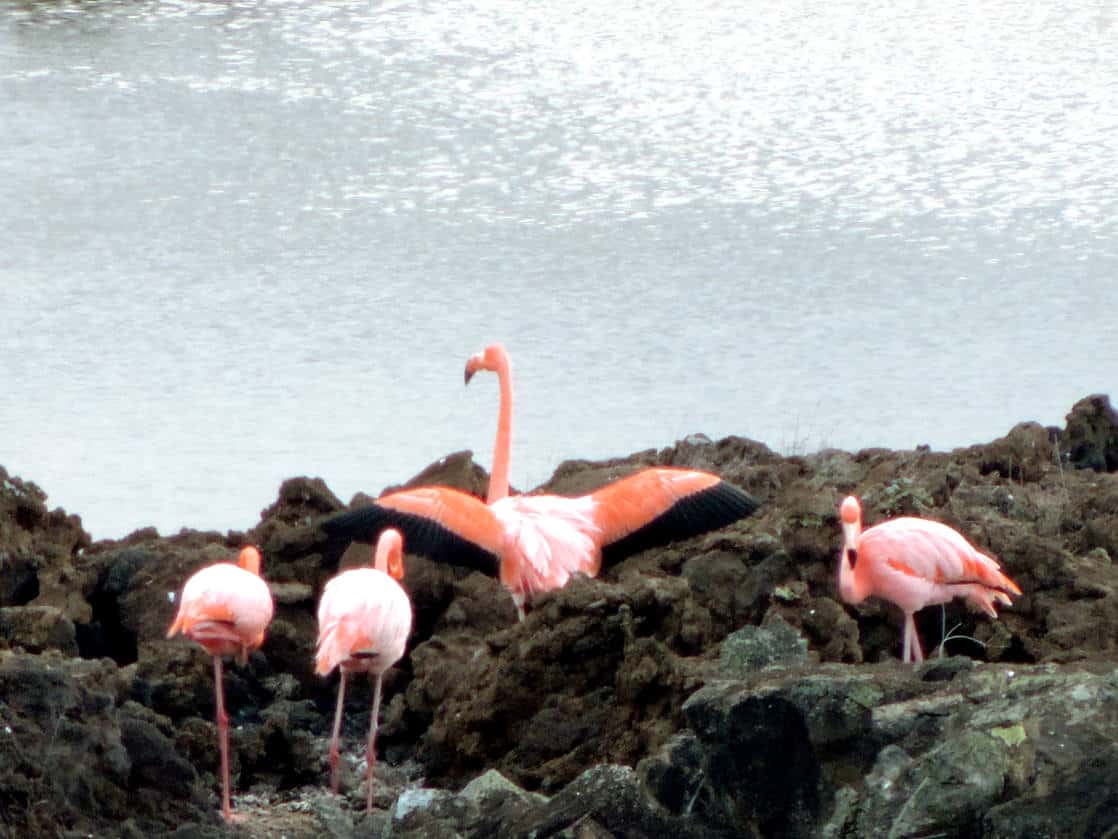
[[364, 619], [226, 609], [535, 543], [914, 563]]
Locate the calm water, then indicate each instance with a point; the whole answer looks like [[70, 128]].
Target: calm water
[[241, 241]]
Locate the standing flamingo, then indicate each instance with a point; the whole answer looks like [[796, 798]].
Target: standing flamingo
[[364, 619], [914, 563], [225, 608], [534, 543]]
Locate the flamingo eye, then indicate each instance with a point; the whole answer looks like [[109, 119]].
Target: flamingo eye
[[852, 555]]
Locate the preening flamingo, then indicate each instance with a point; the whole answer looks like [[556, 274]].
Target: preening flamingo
[[364, 619], [534, 543], [914, 563], [226, 608]]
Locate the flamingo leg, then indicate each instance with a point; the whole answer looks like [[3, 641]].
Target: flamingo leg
[[518, 601], [222, 740], [912, 651], [335, 734], [370, 749]]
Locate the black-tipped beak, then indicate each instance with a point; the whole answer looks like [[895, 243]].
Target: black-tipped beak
[[469, 374]]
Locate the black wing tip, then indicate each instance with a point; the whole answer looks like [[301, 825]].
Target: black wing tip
[[422, 536], [736, 501], [361, 525], [717, 506]]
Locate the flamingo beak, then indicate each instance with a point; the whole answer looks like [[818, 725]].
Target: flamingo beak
[[475, 363], [850, 542]]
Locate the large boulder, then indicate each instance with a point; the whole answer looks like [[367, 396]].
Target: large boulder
[[946, 749]]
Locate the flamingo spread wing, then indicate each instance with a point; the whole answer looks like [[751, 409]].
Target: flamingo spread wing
[[661, 505], [444, 524], [534, 543]]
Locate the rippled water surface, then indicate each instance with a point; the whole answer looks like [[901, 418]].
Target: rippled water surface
[[244, 241]]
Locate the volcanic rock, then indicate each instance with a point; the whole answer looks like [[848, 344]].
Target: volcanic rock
[[714, 687]]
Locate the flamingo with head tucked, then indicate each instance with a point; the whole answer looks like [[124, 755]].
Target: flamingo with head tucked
[[364, 619], [226, 608], [914, 563], [535, 543]]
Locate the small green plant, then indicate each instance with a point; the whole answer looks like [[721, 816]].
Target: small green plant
[[950, 635]]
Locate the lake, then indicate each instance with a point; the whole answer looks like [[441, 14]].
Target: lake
[[244, 241]]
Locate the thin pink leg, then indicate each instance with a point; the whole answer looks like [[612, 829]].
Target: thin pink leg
[[371, 749], [334, 736], [912, 651], [222, 740]]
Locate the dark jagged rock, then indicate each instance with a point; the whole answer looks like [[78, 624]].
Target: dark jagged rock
[[40, 552], [457, 471], [1084, 804], [287, 529], [540, 721], [754, 648], [675, 779], [757, 759], [36, 629], [900, 752], [607, 800], [1090, 440], [112, 733], [70, 745], [490, 805]]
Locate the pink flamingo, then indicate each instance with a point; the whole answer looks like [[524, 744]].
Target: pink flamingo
[[364, 619], [914, 563], [226, 609], [535, 543]]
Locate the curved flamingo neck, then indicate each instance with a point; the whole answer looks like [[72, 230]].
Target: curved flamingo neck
[[249, 560], [499, 477], [388, 551], [380, 558]]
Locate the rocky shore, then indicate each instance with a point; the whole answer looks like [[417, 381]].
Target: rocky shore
[[712, 688]]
